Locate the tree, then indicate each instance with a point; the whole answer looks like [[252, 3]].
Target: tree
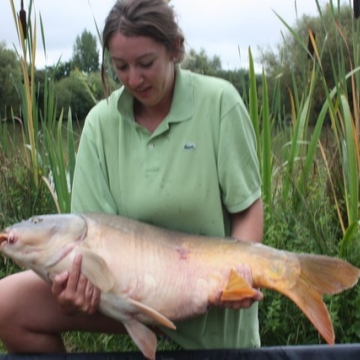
[[290, 65], [85, 53], [10, 81], [201, 63], [61, 70], [72, 93]]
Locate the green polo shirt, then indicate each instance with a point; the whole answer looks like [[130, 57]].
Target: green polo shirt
[[198, 166]]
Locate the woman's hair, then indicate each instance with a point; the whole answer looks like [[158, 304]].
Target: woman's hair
[[151, 18]]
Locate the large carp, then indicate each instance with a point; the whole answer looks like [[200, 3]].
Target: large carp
[[149, 275]]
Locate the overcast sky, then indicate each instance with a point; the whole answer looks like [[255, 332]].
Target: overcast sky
[[222, 27]]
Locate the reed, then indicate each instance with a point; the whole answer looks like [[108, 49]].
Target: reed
[[314, 185], [42, 128], [341, 105]]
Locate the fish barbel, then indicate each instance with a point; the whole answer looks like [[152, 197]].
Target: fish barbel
[[149, 275]]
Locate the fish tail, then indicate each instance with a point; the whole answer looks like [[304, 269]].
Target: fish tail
[[320, 275]]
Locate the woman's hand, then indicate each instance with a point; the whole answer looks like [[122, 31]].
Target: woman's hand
[[74, 293], [245, 272]]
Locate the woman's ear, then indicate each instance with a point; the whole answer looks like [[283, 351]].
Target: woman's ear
[[176, 53]]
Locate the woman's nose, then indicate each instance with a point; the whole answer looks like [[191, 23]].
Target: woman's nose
[[135, 78]]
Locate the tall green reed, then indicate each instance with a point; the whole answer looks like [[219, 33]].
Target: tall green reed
[[344, 118], [262, 123], [304, 181], [343, 103], [42, 129], [27, 36]]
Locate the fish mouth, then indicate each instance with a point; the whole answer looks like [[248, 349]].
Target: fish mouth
[[3, 237]]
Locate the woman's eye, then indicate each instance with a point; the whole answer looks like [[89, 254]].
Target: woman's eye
[[121, 68], [147, 65]]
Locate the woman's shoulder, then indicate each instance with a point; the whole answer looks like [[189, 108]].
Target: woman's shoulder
[[107, 105], [105, 108], [103, 113], [213, 90], [213, 85]]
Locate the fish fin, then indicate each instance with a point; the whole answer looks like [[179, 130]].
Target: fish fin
[[237, 288], [320, 275], [96, 270], [310, 301], [143, 337], [328, 275], [153, 314]]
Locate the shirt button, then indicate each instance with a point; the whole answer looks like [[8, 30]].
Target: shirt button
[[151, 146]]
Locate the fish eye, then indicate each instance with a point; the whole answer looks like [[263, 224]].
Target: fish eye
[[36, 220]]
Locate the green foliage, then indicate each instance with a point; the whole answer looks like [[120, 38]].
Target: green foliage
[[71, 93], [85, 53], [19, 198], [61, 70], [93, 85], [335, 75], [312, 229], [10, 81], [45, 159], [315, 198], [292, 64], [97, 342], [201, 63]]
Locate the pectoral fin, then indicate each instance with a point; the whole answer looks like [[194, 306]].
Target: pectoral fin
[[237, 288], [96, 270], [153, 314], [143, 337]]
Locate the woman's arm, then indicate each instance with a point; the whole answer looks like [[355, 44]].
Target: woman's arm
[[246, 225], [249, 224]]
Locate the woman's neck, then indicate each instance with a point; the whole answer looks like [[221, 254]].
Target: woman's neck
[[151, 116]]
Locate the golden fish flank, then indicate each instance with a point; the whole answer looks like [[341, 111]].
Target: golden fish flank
[[137, 291]]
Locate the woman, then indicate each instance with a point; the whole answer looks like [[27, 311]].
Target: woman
[[170, 148]]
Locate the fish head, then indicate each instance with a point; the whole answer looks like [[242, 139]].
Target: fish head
[[43, 240]]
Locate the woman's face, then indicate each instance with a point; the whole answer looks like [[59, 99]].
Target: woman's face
[[145, 67]]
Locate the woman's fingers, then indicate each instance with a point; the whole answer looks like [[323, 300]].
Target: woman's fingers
[[74, 293]]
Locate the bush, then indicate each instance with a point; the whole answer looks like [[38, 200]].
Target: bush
[[19, 199], [71, 93], [10, 80], [309, 225]]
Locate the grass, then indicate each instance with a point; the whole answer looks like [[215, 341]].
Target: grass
[[96, 342]]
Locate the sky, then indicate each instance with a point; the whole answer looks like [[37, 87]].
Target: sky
[[227, 28]]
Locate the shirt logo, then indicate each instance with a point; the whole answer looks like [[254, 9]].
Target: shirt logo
[[190, 146]]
